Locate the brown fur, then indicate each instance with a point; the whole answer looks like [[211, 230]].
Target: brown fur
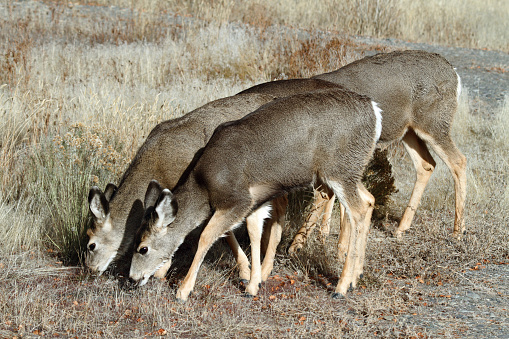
[[164, 156], [322, 137], [417, 92]]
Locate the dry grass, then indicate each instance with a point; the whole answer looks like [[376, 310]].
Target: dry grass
[[79, 92], [471, 23]]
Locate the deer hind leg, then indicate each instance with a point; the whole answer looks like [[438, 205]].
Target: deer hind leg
[[320, 200], [276, 223], [359, 208], [221, 222], [424, 166], [457, 164], [367, 197], [254, 228], [240, 257], [344, 234], [327, 215]]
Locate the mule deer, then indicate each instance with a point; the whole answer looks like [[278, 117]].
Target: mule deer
[[325, 137], [164, 156], [418, 93]]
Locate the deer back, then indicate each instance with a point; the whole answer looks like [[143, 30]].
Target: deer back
[[289, 144], [283, 88], [415, 89]]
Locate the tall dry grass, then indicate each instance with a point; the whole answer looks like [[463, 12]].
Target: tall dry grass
[[471, 23]]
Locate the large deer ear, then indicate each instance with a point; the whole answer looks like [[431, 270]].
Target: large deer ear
[[154, 189], [110, 191], [166, 209], [98, 204]]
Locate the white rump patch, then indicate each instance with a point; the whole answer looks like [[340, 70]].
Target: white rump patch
[[262, 213], [378, 114], [458, 89]]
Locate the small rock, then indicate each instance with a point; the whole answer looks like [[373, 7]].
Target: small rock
[[473, 295]]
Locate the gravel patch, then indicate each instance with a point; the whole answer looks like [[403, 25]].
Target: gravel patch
[[485, 73]]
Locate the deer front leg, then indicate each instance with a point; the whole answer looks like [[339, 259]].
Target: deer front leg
[[254, 224], [240, 257], [220, 223]]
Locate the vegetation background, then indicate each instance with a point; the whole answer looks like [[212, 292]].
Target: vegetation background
[[82, 84]]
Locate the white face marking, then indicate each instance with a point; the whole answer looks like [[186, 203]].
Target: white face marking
[[378, 114], [106, 247], [101, 270], [147, 276]]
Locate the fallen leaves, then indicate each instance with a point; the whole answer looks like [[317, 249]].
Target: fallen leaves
[[159, 332], [477, 267], [301, 320]]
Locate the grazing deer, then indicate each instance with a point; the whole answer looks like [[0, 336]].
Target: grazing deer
[[418, 93], [164, 156], [321, 138]]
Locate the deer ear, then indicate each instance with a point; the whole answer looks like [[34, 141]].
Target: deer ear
[[154, 190], [110, 191], [166, 208], [98, 204]]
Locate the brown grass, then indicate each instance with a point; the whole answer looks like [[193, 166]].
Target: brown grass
[[79, 92], [471, 23]]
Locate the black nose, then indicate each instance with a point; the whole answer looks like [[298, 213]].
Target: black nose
[[91, 247], [143, 250]]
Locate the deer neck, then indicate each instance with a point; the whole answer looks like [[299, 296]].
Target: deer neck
[[193, 204]]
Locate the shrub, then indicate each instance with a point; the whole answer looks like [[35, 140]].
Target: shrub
[[59, 172]]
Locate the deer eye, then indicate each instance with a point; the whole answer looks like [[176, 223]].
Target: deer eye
[[143, 250], [91, 247]]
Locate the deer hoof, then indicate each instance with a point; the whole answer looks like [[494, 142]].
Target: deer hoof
[[350, 289], [337, 296]]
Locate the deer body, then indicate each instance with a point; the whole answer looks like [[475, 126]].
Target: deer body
[[323, 137], [164, 156], [418, 93]]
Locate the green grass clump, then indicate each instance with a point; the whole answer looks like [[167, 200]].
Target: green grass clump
[[58, 173]]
